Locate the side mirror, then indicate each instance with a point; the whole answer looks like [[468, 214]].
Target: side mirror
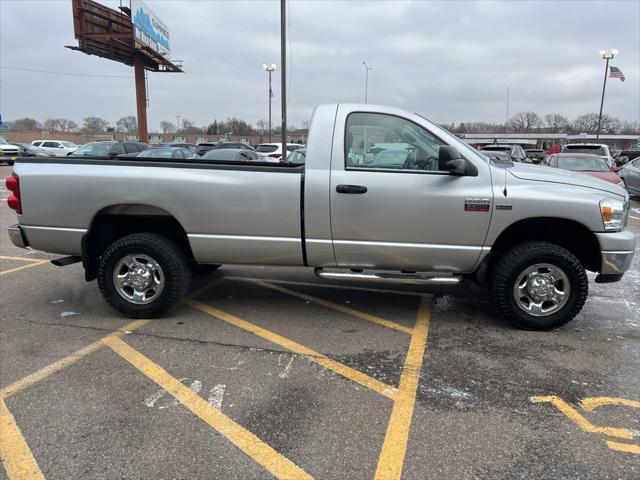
[[450, 160]]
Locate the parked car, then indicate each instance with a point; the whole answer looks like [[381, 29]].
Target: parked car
[[28, 150], [535, 154], [584, 163], [188, 146], [297, 156], [274, 150], [110, 149], [167, 152], [8, 152], [622, 157], [529, 233], [516, 152], [232, 155], [630, 174], [206, 146], [599, 149], [498, 156], [56, 148]]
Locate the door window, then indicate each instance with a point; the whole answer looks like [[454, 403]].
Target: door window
[[117, 149], [386, 142], [50, 144], [130, 148]]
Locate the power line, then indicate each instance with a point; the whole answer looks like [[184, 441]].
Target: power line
[[64, 73]]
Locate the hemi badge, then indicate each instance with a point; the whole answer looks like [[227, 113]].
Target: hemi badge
[[477, 204], [503, 206]]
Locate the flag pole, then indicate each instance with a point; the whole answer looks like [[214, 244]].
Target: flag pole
[[604, 86]]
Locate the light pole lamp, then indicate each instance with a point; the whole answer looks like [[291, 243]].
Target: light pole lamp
[[366, 80], [606, 55], [270, 68]]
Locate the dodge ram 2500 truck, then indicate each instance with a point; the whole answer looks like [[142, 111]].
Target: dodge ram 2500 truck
[[384, 195]]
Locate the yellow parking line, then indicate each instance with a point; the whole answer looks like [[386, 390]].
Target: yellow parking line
[[335, 306], [589, 404], [278, 465], [394, 448], [337, 367], [54, 367], [623, 447], [582, 422], [23, 259], [22, 267], [16, 457]]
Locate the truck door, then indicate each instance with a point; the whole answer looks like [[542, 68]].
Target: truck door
[[391, 208]]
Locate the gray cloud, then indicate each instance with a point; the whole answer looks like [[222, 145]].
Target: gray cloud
[[449, 60]]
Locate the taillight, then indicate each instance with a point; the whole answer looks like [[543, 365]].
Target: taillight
[[14, 201], [275, 155]]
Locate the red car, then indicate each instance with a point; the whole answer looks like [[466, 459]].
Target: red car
[[584, 163]]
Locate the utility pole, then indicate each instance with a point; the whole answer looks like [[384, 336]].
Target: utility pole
[[141, 97], [605, 56], [366, 80], [283, 73]]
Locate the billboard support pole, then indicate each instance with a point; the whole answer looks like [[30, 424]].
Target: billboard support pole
[[141, 97], [283, 73]]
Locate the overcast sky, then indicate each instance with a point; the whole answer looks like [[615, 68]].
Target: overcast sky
[[451, 61]]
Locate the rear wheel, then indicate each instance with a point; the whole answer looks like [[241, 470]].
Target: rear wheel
[[143, 275], [538, 285]]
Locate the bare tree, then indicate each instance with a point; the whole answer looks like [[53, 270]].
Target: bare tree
[[127, 124], [629, 127], [237, 127], [93, 125], [262, 126], [306, 124], [588, 123], [167, 127], [525, 121], [52, 124], [189, 128], [556, 122], [24, 125]]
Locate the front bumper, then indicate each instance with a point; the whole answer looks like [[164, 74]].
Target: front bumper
[[17, 236], [616, 249]]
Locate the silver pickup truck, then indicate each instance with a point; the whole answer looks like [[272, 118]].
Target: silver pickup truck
[[384, 195]]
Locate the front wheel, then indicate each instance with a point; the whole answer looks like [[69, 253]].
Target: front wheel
[[538, 285], [143, 275]]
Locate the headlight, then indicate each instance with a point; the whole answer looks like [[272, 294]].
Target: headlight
[[614, 213]]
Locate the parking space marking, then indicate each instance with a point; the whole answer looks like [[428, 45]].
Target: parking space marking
[[582, 422], [337, 367], [277, 464], [58, 365], [323, 285], [591, 403], [31, 262], [623, 447], [335, 306], [16, 456], [391, 459]]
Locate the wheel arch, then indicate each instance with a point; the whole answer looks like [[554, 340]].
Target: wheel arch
[[118, 220], [569, 234]]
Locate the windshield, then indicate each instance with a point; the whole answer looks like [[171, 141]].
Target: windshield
[[591, 164], [69, 144], [95, 149], [3, 141], [266, 148], [592, 149], [157, 153]]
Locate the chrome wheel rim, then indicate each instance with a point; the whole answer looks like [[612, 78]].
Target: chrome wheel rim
[[542, 289], [138, 278]]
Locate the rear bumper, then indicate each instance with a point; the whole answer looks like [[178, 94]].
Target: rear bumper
[[17, 237]]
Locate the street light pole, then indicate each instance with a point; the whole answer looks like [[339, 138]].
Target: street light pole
[[366, 80], [283, 73], [270, 69], [605, 56]]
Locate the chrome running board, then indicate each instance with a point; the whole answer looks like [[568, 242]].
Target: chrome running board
[[412, 278]]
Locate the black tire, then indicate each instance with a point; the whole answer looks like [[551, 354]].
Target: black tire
[[165, 253], [203, 267], [514, 262]]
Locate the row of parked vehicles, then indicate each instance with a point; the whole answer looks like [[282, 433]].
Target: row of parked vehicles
[[220, 151]]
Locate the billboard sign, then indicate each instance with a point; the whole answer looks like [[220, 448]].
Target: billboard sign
[[149, 30]]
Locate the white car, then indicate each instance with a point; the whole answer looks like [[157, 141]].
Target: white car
[[272, 152], [56, 148], [8, 152], [599, 149]]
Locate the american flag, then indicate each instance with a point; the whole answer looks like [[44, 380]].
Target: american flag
[[615, 72]]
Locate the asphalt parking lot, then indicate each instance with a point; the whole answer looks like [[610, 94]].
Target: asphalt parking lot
[[266, 373]]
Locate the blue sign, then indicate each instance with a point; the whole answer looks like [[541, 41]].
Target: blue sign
[[149, 30]]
